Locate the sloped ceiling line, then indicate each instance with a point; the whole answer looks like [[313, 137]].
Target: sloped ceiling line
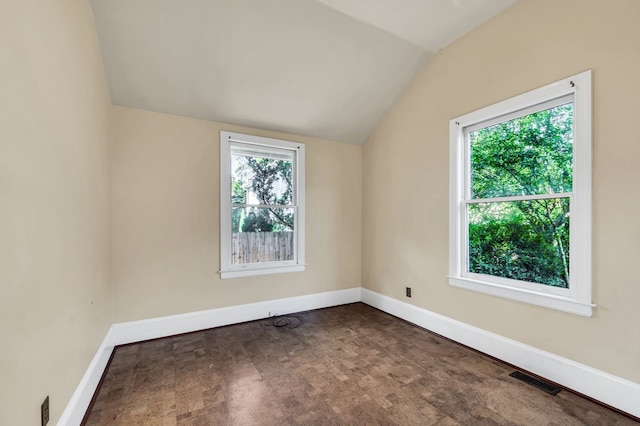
[[323, 68]]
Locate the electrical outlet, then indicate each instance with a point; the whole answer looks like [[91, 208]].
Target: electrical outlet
[[44, 411], [408, 291]]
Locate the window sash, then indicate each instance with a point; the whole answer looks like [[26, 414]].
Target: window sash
[[266, 206], [269, 152], [576, 299], [468, 129], [548, 104], [518, 198], [246, 145], [255, 150], [468, 198], [527, 285]]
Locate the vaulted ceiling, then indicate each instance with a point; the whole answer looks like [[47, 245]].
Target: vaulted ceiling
[[323, 68]]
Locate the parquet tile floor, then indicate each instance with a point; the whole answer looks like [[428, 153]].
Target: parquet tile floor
[[346, 365]]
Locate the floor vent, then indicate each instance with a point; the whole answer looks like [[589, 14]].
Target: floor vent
[[547, 387]]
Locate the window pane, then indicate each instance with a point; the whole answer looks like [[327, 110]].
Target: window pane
[[261, 180], [521, 240], [524, 156], [261, 234]]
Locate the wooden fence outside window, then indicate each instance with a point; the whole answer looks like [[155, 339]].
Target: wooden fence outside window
[[254, 247]]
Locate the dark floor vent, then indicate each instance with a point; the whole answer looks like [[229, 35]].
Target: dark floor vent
[[547, 387]]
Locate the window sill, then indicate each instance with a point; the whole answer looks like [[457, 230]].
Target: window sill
[[546, 300], [253, 271]]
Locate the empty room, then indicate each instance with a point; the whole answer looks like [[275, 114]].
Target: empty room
[[319, 212]]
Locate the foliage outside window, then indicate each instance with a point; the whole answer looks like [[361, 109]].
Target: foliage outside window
[[262, 209], [520, 197]]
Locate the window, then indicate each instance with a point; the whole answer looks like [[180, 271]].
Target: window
[[520, 197], [262, 205]]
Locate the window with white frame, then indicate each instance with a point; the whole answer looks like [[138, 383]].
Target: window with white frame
[[261, 205], [520, 197]]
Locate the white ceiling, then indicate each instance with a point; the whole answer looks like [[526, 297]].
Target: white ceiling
[[323, 68]]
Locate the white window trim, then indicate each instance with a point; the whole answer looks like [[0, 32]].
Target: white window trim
[[227, 269], [577, 298]]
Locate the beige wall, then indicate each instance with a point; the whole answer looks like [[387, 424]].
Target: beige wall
[[406, 173], [80, 180], [165, 192], [55, 302]]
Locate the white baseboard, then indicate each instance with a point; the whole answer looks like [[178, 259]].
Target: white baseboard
[[615, 391], [136, 331], [81, 398], [607, 388]]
